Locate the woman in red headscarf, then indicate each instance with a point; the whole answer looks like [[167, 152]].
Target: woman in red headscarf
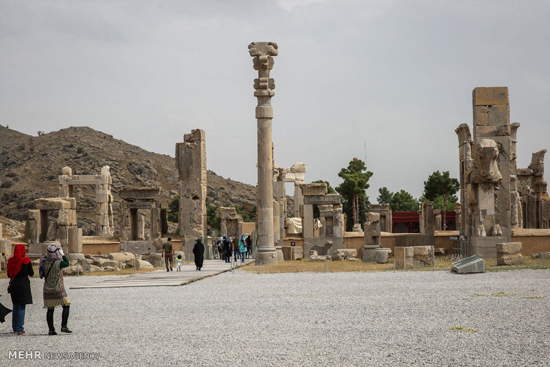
[[19, 270]]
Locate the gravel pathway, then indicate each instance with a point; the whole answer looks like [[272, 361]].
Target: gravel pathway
[[300, 319]]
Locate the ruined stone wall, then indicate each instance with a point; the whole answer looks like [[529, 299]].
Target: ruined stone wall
[[191, 165]]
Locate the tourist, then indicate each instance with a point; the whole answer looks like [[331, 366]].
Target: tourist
[[236, 252], [248, 246], [198, 251], [19, 271], [54, 289], [178, 263], [226, 249], [220, 250], [168, 250], [3, 311], [242, 248]]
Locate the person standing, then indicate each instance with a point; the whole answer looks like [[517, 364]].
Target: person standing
[[248, 246], [226, 249], [198, 251], [54, 289], [19, 271], [236, 251], [168, 250], [242, 248]]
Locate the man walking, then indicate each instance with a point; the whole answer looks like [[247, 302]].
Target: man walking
[[168, 250]]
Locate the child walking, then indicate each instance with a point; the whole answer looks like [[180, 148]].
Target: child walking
[[178, 263]]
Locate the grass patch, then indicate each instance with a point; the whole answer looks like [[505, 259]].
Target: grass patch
[[480, 294], [532, 297], [442, 264], [463, 329], [503, 294], [308, 266]]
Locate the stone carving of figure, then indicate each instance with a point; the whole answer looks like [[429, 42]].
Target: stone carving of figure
[[537, 163], [486, 156]]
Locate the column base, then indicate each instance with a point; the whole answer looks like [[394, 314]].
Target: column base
[[280, 255], [267, 257]]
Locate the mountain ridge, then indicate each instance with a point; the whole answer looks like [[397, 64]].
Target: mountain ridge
[[30, 165]]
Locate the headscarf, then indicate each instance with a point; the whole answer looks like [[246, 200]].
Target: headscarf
[[53, 253], [17, 260]]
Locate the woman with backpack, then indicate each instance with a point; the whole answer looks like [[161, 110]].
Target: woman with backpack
[[54, 290], [19, 271]]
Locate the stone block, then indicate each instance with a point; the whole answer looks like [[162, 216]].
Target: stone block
[[481, 116], [292, 253], [509, 253], [382, 255], [73, 270], [314, 189], [472, 264], [94, 269], [155, 259], [490, 96], [330, 199], [52, 204], [75, 256], [121, 256], [111, 263], [368, 253], [499, 115]]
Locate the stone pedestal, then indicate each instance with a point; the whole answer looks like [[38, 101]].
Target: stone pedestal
[[368, 255], [509, 253]]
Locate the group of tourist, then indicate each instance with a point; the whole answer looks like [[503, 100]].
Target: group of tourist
[[168, 254], [239, 248], [54, 294]]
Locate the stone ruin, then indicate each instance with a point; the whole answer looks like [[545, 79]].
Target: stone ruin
[[53, 221], [384, 212], [132, 226], [495, 195], [231, 222], [296, 174], [104, 199], [263, 53], [532, 198], [414, 256], [331, 217], [191, 166], [372, 246]]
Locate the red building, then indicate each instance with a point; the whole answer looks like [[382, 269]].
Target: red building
[[409, 222]]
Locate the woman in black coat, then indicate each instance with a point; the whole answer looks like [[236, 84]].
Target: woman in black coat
[[198, 251], [19, 271]]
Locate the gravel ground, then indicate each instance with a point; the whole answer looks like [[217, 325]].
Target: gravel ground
[[300, 319]]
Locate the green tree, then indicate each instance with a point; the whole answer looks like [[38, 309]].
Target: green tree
[[441, 184], [353, 191], [385, 196], [402, 201], [174, 210]]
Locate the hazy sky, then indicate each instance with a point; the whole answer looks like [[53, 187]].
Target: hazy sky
[[394, 76]]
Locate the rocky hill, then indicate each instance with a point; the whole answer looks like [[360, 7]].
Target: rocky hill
[[30, 165]]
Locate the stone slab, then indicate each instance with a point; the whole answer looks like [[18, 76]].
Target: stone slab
[[323, 199], [161, 278], [472, 264]]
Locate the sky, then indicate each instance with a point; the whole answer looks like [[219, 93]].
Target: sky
[[385, 81]]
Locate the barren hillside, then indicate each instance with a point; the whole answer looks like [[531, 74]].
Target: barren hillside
[[30, 165]]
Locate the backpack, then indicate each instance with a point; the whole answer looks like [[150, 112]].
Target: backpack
[[41, 268]]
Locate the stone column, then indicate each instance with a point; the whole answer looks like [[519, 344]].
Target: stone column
[[191, 165], [262, 53]]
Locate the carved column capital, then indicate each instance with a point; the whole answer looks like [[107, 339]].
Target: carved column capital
[[262, 53]]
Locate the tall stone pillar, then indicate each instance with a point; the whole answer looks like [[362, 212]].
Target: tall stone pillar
[[191, 165], [262, 53]]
